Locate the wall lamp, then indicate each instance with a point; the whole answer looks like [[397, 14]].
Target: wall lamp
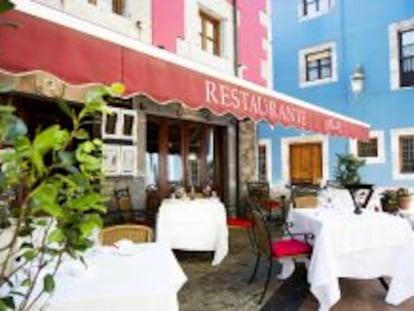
[[357, 80]]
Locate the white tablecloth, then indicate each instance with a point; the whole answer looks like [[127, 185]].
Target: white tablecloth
[[147, 280], [194, 225], [364, 246]]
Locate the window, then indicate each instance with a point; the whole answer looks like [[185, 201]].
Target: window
[[406, 40], [117, 5], [368, 149], [402, 151], [313, 8], [406, 154], [401, 50], [210, 34], [372, 150], [264, 160], [319, 65], [262, 163]]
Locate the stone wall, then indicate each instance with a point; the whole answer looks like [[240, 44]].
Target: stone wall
[[247, 160]]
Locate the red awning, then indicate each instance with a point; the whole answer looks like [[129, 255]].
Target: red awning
[[80, 53]]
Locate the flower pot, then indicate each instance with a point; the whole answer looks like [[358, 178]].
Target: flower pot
[[405, 203], [389, 207]]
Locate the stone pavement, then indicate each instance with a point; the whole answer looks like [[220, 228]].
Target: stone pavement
[[225, 287]]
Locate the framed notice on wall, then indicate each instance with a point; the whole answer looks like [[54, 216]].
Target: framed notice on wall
[[128, 160], [111, 161]]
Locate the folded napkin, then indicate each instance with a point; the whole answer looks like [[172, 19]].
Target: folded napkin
[[125, 247]]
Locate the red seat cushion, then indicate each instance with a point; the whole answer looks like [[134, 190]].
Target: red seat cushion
[[274, 204], [290, 247], [239, 222]]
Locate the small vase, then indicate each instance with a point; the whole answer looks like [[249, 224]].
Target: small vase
[[405, 203]]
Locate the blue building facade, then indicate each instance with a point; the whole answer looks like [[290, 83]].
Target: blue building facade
[[318, 47]]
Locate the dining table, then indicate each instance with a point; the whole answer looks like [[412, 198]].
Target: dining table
[[145, 276], [369, 245], [194, 225]]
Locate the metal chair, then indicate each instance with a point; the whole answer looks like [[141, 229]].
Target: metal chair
[[134, 233], [285, 247], [125, 211], [259, 197]]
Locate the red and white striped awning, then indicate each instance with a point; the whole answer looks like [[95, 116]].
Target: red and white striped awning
[[80, 53]]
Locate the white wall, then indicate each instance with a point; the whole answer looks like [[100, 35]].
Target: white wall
[[102, 15]]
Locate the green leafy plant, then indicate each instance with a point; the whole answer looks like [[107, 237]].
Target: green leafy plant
[[403, 193], [55, 178], [347, 169], [393, 199]]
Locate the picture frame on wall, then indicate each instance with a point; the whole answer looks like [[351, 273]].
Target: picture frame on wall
[[111, 159], [121, 124], [128, 160]]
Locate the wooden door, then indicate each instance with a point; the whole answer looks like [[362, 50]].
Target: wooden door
[[305, 163], [181, 153]]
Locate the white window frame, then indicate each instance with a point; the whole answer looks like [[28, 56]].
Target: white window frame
[[395, 153], [394, 47], [301, 9], [120, 112], [380, 158], [284, 154], [312, 50], [110, 150], [267, 143], [190, 45], [134, 114], [129, 169]]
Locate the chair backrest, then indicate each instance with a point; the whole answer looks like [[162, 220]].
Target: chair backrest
[[134, 233], [261, 234], [258, 193], [123, 203]]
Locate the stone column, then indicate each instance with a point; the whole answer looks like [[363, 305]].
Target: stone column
[[231, 164], [247, 160]]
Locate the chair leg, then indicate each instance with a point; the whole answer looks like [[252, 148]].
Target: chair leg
[[255, 269], [251, 238], [269, 273], [383, 283]]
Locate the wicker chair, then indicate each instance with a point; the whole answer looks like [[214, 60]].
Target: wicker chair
[[134, 233], [305, 196]]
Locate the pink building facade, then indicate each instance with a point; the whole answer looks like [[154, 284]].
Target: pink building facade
[[176, 26]]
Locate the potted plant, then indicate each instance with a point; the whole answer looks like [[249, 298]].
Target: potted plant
[[347, 169], [390, 201], [404, 198]]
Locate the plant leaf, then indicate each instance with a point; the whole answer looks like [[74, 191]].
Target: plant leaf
[[56, 236], [65, 108], [81, 134], [6, 303], [6, 5], [49, 283], [118, 88]]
